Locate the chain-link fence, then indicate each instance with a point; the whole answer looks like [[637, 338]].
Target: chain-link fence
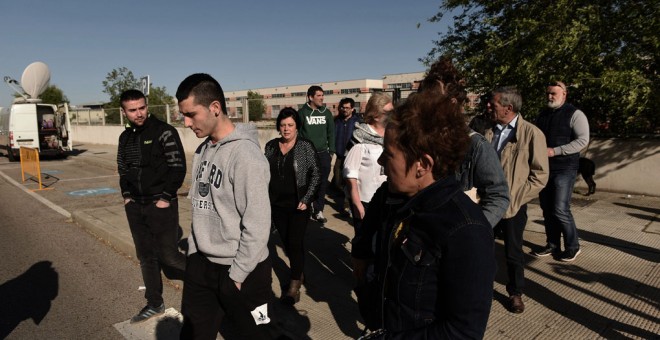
[[255, 109], [113, 116]]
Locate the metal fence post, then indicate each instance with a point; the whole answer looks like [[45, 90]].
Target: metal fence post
[[246, 110]]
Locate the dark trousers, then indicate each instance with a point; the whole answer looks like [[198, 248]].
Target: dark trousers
[[357, 221], [155, 234], [291, 224], [209, 294], [555, 201], [338, 173], [324, 159], [513, 229]]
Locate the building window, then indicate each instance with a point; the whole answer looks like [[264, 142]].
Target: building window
[[349, 91], [298, 94], [274, 111], [278, 95], [328, 92], [404, 86]]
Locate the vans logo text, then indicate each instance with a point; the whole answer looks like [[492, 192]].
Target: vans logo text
[[315, 120]]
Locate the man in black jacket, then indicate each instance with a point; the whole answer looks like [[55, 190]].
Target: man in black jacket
[[152, 167]]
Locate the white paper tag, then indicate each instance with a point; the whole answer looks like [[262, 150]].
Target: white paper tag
[[260, 314]]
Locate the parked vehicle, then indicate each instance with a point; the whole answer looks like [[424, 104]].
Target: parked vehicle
[[30, 123], [35, 125]]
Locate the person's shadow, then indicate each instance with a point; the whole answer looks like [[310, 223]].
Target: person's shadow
[[291, 321], [559, 302], [328, 278], [28, 296]]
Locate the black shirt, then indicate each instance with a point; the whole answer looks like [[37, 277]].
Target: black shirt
[[283, 181]]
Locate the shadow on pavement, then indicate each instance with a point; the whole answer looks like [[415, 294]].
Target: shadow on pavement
[[567, 307], [168, 328], [583, 315], [634, 249], [328, 276], [28, 296], [291, 321], [654, 211]]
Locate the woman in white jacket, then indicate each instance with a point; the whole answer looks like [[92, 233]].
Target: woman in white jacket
[[362, 172]]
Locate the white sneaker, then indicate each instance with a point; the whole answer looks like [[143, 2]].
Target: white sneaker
[[318, 217]]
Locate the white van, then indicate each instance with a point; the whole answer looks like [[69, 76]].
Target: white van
[[32, 124]]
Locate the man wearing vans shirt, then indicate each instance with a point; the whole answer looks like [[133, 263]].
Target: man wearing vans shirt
[[152, 167], [318, 126]]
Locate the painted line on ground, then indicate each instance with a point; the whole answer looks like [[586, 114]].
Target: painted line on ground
[[37, 197], [86, 178], [92, 192]]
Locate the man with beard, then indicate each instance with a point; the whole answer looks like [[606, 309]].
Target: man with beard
[[566, 130], [152, 167]]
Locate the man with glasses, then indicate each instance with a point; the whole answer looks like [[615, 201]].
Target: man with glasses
[[566, 131], [344, 126]]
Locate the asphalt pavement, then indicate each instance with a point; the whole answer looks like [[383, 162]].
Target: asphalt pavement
[[612, 289]]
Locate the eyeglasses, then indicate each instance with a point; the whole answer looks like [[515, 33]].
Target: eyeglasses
[[557, 83], [346, 108]]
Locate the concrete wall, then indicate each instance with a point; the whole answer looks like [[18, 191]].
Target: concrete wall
[[626, 165], [97, 134], [622, 165]]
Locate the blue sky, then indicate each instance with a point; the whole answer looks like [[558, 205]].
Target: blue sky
[[243, 44]]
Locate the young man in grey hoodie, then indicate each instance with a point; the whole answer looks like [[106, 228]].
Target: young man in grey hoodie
[[228, 271]]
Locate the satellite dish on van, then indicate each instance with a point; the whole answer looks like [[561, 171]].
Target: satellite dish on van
[[35, 79]]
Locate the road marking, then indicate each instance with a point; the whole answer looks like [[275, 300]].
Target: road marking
[[92, 192], [86, 178], [321, 263], [37, 197]]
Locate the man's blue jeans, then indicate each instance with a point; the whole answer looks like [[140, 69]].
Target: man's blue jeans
[[555, 201]]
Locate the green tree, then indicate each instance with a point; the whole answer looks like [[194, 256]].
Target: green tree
[[122, 79], [53, 95], [606, 51], [256, 105], [158, 98], [116, 82]]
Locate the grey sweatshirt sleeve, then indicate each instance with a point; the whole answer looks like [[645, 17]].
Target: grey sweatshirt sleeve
[[251, 175], [490, 182], [580, 126]]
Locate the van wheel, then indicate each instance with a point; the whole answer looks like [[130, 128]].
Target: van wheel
[[10, 155]]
